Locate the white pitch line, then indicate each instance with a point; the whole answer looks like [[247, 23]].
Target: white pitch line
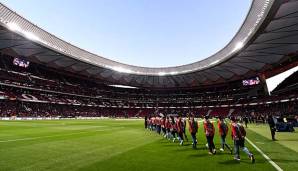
[[265, 156], [51, 136]]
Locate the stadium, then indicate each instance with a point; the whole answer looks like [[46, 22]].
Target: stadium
[[65, 108]]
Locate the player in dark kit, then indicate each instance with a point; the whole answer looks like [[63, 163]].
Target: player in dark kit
[[146, 122], [223, 131], [238, 136], [272, 127], [209, 132], [245, 119]]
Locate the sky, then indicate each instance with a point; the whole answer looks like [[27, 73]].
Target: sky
[[150, 33]]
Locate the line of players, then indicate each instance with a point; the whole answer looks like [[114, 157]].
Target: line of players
[[174, 128]]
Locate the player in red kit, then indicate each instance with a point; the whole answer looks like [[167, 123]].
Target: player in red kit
[[238, 136], [223, 130], [173, 129], [168, 128], [179, 126], [209, 132], [193, 129], [163, 126]]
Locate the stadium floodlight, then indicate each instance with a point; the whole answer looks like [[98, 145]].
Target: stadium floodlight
[[122, 70], [161, 73], [31, 36], [14, 27]]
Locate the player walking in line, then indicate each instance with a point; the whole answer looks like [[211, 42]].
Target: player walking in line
[[158, 124], [163, 126], [238, 135], [223, 131], [209, 132], [179, 126], [173, 129], [150, 123], [184, 129], [153, 126], [193, 129], [168, 128]]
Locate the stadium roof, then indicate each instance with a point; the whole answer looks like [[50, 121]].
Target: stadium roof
[[267, 36]]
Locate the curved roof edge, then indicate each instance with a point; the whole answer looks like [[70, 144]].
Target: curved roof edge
[[254, 19]]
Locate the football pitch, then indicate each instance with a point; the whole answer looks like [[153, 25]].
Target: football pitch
[[88, 145]]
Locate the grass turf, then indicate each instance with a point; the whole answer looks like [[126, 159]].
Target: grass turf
[[283, 151], [122, 145]]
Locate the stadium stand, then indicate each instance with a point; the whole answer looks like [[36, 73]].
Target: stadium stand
[[43, 77], [40, 92], [46, 76], [289, 85]]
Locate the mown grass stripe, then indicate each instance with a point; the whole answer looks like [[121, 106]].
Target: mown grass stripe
[[52, 136], [264, 155]]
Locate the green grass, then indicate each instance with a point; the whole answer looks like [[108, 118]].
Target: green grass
[[286, 139], [283, 151], [123, 145]]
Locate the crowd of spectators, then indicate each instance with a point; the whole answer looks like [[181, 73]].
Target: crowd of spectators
[[41, 92]]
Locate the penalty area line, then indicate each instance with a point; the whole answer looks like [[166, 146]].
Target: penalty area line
[[265, 156]]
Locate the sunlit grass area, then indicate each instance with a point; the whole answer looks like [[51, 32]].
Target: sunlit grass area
[[126, 145]]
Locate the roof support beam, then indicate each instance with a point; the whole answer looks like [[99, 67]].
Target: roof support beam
[[15, 45]]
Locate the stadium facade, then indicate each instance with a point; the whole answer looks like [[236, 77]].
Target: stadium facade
[[44, 75]]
